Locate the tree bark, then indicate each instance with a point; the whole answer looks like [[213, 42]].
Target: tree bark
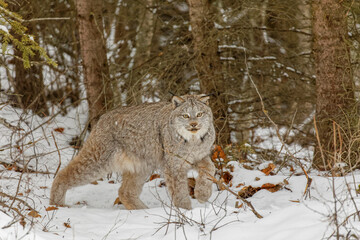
[[93, 53], [334, 88], [208, 66]]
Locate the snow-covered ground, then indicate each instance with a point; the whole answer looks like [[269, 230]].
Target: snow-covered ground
[[42, 145]]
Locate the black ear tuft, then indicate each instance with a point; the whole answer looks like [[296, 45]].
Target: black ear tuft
[[204, 98], [177, 101]]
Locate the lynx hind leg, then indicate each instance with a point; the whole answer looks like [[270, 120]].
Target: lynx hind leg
[[203, 186], [177, 185], [80, 171], [130, 190]]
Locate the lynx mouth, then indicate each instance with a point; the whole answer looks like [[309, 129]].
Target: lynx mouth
[[194, 130]]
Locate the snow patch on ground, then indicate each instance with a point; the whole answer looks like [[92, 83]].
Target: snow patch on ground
[[92, 215]]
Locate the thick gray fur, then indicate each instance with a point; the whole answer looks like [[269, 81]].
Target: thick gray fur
[[171, 136]]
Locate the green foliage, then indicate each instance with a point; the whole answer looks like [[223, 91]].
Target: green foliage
[[25, 43]]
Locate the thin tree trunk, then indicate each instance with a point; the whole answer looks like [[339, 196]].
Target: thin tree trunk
[[208, 65], [334, 88], [145, 32], [93, 53]]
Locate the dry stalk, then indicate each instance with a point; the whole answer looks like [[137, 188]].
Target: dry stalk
[[57, 148], [309, 180]]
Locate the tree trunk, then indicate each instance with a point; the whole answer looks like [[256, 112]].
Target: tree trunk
[[208, 66], [145, 32], [334, 88], [93, 53]]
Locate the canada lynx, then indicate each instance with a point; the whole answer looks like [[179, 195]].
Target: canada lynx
[[134, 141]]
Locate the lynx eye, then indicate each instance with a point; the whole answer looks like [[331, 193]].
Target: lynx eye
[[199, 114], [186, 115]]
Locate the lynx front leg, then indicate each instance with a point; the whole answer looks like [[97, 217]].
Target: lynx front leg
[[176, 182], [130, 190], [203, 186]]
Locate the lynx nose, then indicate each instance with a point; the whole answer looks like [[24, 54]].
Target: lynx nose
[[193, 124]]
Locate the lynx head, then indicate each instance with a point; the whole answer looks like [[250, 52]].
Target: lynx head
[[191, 116]]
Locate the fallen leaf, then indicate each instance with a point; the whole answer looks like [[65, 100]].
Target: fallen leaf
[[247, 167], [269, 169], [117, 201], [248, 191], [272, 187], [51, 208], [237, 205], [94, 183], [34, 214], [239, 185], [67, 225], [218, 153], [226, 177], [59, 130], [154, 176], [111, 182], [20, 194], [22, 222]]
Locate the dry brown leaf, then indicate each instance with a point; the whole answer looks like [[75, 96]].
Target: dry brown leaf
[[22, 222], [154, 176], [237, 205], [248, 191], [51, 208], [239, 185], [247, 167], [226, 177], [67, 225], [117, 201], [269, 169], [272, 187], [59, 130], [20, 194], [111, 182], [94, 183], [34, 214], [218, 153]]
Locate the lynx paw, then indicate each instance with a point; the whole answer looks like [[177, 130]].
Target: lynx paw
[[203, 193]]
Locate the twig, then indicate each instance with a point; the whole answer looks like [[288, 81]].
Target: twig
[[212, 178], [8, 125], [309, 180], [57, 148]]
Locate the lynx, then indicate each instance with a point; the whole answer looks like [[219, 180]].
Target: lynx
[[172, 137]]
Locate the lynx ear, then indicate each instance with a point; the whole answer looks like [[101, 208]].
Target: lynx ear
[[177, 101], [204, 98]]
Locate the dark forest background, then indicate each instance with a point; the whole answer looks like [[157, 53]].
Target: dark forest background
[[292, 62]]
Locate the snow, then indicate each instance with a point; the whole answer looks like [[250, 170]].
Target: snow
[[4, 28], [90, 214]]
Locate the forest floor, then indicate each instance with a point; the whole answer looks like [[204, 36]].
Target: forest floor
[[329, 209]]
